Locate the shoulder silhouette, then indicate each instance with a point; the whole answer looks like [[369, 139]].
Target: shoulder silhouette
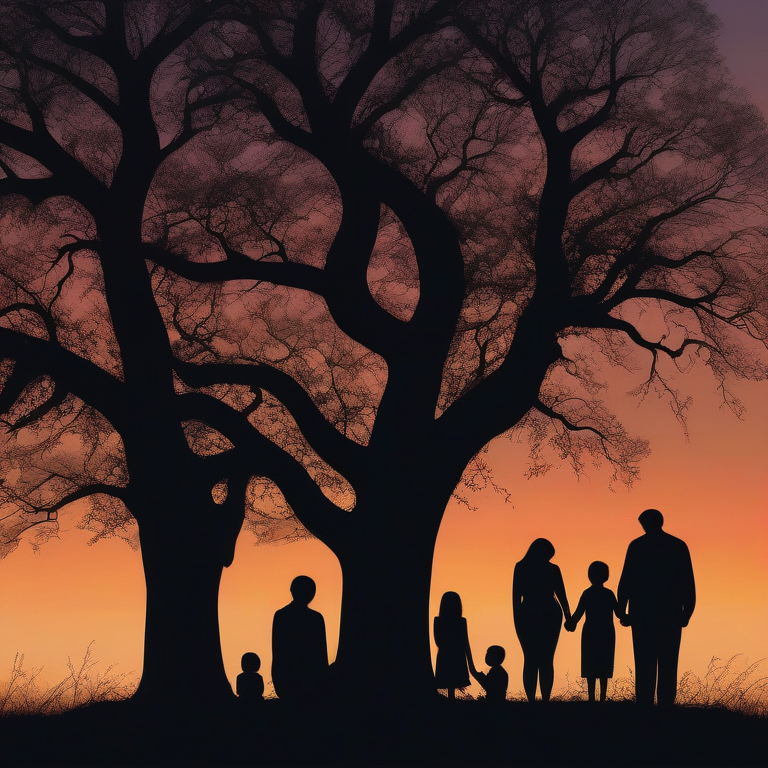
[[299, 647], [657, 584]]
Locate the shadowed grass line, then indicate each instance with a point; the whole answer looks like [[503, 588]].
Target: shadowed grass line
[[735, 685], [26, 694]]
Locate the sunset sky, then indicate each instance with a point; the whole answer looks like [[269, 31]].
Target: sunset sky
[[712, 488]]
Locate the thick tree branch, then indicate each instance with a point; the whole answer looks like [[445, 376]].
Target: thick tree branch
[[343, 454], [238, 266], [71, 372], [313, 509]]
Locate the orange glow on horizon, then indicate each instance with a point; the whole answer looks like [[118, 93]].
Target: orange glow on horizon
[[54, 603]]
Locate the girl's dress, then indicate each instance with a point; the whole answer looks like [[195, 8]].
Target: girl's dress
[[452, 643], [598, 638]]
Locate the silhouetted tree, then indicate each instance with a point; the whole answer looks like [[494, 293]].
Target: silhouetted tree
[[343, 246], [96, 96]]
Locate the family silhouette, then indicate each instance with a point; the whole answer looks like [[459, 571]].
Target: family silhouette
[[656, 598]]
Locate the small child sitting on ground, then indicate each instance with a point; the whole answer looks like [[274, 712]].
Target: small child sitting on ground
[[250, 684], [496, 679]]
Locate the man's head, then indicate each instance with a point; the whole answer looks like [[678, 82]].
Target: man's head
[[652, 520], [303, 589]]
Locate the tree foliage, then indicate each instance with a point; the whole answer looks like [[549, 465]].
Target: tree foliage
[[310, 258]]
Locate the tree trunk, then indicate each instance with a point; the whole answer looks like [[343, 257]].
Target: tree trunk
[[183, 663], [384, 655]]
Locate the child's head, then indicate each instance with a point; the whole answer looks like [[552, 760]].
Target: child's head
[[450, 604], [250, 662], [494, 655], [598, 573], [303, 589]]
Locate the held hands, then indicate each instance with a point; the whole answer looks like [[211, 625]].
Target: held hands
[[570, 625], [624, 620]]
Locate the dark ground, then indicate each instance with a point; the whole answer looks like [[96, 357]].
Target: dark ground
[[465, 733]]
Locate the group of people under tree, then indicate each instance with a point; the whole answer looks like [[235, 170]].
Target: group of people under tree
[[656, 597]]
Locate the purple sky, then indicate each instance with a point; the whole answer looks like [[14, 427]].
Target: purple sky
[[744, 42]]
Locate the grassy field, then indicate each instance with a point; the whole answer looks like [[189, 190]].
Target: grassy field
[[463, 733], [85, 720]]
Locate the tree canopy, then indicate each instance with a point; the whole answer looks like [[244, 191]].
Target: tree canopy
[[309, 258]]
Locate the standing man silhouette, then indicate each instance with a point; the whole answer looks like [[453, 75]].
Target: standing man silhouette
[[299, 648], [657, 582]]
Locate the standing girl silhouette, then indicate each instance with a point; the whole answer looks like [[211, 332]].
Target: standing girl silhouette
[[538, 604], [598, 638], [453, 651]]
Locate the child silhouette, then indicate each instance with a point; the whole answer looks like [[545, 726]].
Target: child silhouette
[[598, 638], [452, 642], [496, 679], [250, 684]]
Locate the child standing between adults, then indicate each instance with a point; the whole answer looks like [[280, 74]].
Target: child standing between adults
[[598, 638], [453, 651]]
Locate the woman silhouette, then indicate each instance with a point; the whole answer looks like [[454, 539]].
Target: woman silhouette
[[538, 604]]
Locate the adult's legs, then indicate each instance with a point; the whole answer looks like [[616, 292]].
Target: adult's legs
[[550, 635], [669, 652], [603, 688], [591, 688], [530, 676], [546, 678], [644, 646]]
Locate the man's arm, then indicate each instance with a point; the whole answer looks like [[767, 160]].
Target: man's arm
[[626, 581], [321, 641], [689, 585]]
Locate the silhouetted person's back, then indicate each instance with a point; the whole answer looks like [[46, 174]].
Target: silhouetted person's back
[[299, 648], [657, 582], [250, 684]]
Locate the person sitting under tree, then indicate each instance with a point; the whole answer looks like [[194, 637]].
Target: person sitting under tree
[[496, 680], [250, 684]]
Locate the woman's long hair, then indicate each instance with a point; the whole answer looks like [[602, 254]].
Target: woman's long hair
[[541, 550], [450, 605]]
